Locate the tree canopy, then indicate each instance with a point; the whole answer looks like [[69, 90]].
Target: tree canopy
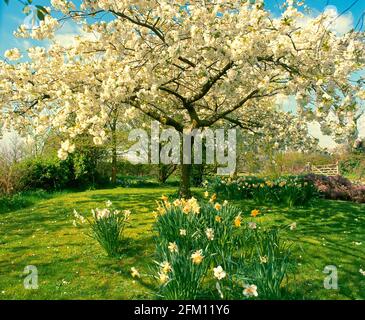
[[187, 65]]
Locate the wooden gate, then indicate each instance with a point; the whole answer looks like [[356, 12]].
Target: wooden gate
[[326, 169]]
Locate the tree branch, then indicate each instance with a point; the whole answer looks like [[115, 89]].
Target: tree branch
[[216, 117], [238, 123], [164, 119], [210, 83], [153, 28]]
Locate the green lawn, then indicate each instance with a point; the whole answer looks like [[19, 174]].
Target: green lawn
[[72, 266]]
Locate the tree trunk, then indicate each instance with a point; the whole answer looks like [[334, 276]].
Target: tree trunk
[[197, 174], [114, 164], [184, 190], [186, 171], [165, 171], [114, 152]]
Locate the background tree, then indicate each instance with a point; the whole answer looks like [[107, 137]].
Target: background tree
[[11, 153]]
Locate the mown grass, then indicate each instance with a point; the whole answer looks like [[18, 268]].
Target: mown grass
[[24, 199], [73, 266]]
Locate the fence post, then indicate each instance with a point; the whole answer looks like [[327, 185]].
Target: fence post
[[308, 167]]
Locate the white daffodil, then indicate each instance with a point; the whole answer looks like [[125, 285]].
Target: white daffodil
[[219, 273], [210, 233], [250, 291], [293, 226], [135, 273], [173, 247]]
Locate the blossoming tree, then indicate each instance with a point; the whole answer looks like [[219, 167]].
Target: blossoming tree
[[189, 66]]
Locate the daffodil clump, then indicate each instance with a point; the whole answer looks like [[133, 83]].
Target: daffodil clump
[[106, 226], [212, 249], [291, 190]]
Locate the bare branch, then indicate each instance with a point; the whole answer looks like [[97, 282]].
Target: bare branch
[[210, 83], [216, 117]]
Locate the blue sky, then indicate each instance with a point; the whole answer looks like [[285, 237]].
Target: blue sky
[[11, 16]]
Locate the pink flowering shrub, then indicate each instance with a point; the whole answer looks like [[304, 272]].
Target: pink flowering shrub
[[337, 188], [357, 193]]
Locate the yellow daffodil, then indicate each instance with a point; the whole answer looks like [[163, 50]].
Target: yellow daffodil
[[255, 213], [191, 205], [263, 259], [186, 209], [218, 218], [177, 203], [217, 206], [237, 221], [206, 194], [160, 209], [213, 198], [269, 183], [195, 209], [166, 267], [197, 256], [163, 277]]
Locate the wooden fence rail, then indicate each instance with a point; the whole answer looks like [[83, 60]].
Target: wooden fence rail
[[327, 169]]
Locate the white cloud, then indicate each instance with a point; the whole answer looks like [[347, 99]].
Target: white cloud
[[314, 129], [286, 103], [341, 24], [361, 126], [23, 44], [65, 36]]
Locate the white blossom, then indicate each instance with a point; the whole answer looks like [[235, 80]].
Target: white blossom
[[13, 54]]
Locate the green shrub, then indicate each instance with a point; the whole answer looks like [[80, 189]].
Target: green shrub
[[21, 200], [353, 165], [290, 191], [10, 203], [45, 173], [126, 168], [86, 163], [79, 170]]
